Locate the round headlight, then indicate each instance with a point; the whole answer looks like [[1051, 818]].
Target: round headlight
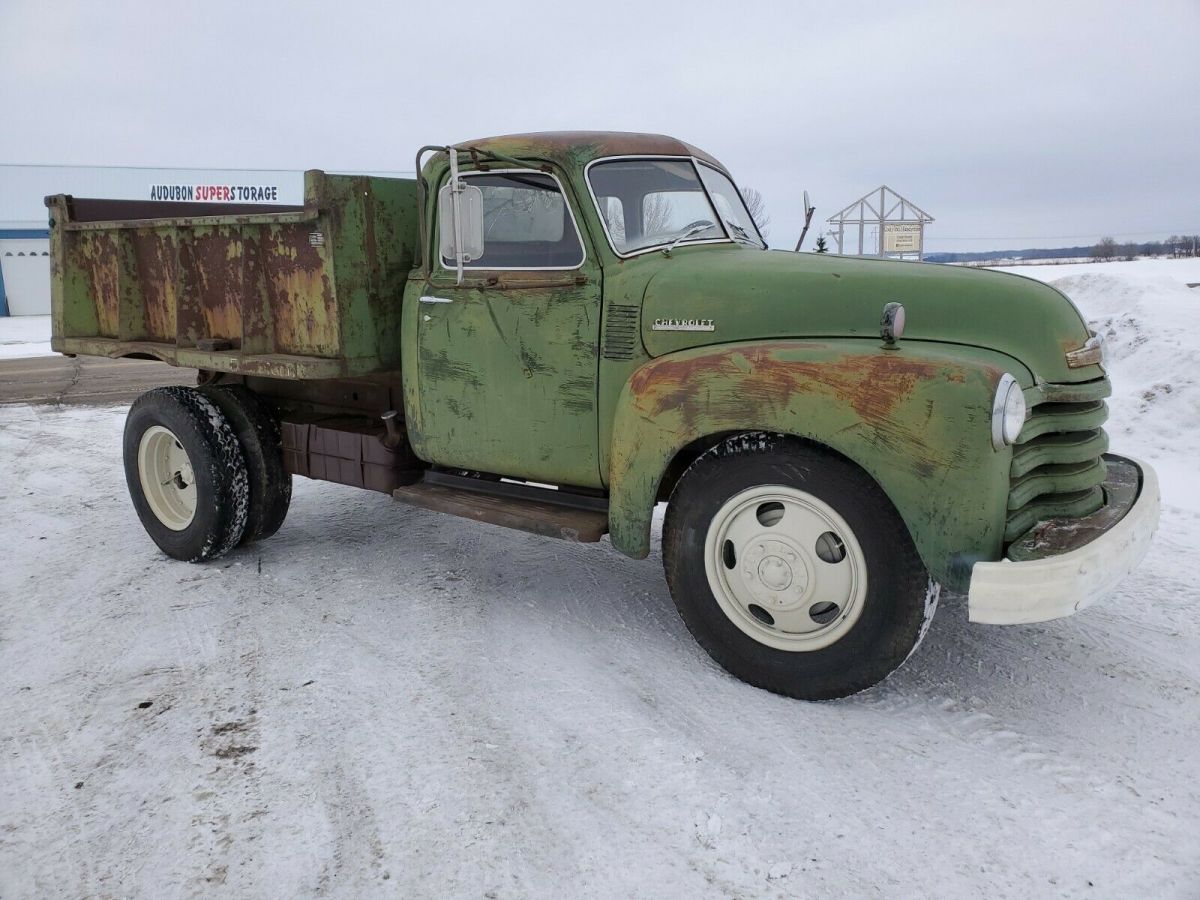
[[1008, 412]]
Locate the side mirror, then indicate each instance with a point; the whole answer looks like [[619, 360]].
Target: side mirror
[[809, 209], [467, 202]]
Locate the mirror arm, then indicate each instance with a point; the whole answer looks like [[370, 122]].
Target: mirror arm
[[808, 214], [422, 199], [456, 188]]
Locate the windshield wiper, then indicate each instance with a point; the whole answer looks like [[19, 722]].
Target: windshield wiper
[[741, 233], [695, 228]]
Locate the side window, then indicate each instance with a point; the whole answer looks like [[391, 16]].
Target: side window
[[730, 205], [527, 223]]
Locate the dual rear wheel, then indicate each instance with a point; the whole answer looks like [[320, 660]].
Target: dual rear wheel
[[204, 470]]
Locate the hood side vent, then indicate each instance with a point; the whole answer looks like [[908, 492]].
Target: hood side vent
[[621, 335]]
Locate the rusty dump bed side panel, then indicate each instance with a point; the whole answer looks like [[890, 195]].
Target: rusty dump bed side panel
[[285, 292]]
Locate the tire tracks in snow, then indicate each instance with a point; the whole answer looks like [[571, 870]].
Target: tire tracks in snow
[[226, 795]]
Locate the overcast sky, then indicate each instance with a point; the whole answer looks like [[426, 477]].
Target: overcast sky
[[1014, 124]]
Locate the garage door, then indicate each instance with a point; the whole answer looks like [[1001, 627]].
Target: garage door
[[26, 267]]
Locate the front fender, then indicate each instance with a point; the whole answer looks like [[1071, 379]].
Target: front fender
[[916, 418]]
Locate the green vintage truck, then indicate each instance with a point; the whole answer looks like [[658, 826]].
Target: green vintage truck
[[558, 332]]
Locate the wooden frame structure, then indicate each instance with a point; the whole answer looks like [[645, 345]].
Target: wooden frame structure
[[893, 215]]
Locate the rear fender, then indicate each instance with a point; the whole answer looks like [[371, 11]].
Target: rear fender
[[916, 418]]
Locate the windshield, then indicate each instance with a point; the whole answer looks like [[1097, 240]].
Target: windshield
[[655, 202]]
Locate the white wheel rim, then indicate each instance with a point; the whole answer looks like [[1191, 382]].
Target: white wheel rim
[[798, 579], [168, 483]]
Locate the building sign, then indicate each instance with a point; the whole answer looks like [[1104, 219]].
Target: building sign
[[902, 237], [216, 193]]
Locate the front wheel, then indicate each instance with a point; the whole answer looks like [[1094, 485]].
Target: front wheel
[[793, 570]]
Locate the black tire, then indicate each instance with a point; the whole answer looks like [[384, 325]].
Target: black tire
[[900, 597], [219, 469], [259, 436]]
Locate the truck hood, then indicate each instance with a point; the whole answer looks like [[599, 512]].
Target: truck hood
[[746, 294]]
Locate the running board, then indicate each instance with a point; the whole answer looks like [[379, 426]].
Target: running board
[[544, 511]]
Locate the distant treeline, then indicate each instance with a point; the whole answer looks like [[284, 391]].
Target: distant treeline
[[1107, 248], [983, 255]]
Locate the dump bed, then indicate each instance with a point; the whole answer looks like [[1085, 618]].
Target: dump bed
[[289, 292]]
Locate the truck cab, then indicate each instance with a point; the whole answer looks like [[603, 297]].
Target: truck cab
[[558, 332]]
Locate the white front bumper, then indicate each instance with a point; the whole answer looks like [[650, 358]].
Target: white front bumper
[[1011, 593]]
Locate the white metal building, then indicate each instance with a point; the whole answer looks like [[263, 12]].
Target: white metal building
[[25, 237]]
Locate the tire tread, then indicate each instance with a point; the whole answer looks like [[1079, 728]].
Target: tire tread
[[258, 434]]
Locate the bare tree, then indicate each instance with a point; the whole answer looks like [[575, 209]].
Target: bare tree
[[1106, 249], [1182, 245], [758, 209], [614, 217], [656, 214]]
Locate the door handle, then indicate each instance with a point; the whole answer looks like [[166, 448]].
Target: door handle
[[426, 298]]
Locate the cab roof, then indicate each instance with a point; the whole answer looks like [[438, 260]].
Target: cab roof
[[578, 148]]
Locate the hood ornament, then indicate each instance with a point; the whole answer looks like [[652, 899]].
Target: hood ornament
[[891, 324]]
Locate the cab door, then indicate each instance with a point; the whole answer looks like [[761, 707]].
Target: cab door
[[508, 360]]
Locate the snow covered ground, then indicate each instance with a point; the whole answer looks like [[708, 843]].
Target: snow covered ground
[[24, 336], [1185, 271], [385, 701]]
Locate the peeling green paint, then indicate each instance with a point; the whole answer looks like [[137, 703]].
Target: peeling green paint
[[915, 420]]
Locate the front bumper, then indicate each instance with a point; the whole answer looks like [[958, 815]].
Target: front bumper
[[1063, 566]]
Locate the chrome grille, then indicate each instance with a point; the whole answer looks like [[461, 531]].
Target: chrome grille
[[1057, 464]]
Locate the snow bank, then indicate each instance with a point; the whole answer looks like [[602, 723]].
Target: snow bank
[[1150, 320], [1186, 270], [1152, 330], [24, 336]]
